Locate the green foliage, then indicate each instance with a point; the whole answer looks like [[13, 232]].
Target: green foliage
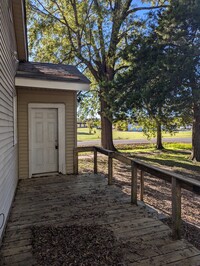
[[163, 76], [148, 126], [90, 125], [88, 105], [121, 125], [91, 34]]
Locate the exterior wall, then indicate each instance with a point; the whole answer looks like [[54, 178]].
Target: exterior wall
[[30, 95], [8, 147]]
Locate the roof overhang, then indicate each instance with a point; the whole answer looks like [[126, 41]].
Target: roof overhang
[[56, 85], [19, 18]]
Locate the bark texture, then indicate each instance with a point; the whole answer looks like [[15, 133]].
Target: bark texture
[[106, 129], [159, 145], [196, 134]]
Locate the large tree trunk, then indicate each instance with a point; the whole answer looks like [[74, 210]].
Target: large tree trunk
[[196, 134], [106, 129], [159, 145]]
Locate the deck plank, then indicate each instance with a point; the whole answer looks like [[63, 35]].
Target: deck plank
[[86, 200]]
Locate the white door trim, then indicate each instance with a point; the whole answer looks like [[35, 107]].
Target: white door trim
[[61, 133]]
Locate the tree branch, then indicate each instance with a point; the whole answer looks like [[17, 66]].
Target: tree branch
[[64, 18], [92, 41], [87, 16], [47, 11], [118, 16], [145, 8], [121, 67], [100, 31]]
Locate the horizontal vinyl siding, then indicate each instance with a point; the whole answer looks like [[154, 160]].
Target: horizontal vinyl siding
[[29, 95], [8, 152]]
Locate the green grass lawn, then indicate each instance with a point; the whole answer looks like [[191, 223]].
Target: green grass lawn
[[83, 135], [174, 156]]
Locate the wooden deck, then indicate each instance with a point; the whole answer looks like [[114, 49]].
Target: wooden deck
[[87, 199]]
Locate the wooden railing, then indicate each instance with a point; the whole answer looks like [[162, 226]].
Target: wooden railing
[[178, 181]]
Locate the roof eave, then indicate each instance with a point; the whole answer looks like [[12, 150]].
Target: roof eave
[[19, 19], [51, 84]]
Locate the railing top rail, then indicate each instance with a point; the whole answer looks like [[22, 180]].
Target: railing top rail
[[167, 173], [84, 149], [186, 182], [103, 151]]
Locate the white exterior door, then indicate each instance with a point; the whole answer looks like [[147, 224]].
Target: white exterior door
[[44, 140]]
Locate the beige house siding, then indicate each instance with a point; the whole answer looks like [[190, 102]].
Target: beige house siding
[[30, 95], [8, 149]]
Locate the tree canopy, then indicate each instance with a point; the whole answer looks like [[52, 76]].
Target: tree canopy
[[162, 82], [89, 33]]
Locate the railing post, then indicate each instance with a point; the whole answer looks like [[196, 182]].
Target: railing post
[[142, 186], [176, 208], [75, 162], [110, 168], [133, 183], [95, 161]]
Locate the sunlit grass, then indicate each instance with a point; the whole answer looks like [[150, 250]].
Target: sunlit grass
[[151, 147], [83, 135], [176, 156]]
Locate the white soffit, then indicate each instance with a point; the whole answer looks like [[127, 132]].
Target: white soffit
[[51, 84]]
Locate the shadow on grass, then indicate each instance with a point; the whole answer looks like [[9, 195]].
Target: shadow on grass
[[176, 151], [171, 163], [84, 133]]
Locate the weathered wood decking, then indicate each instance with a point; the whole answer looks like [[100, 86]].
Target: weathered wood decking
[[87, 199]]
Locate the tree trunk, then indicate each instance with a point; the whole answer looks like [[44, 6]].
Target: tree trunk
[[196, 134], [159, 145], [106, 129]]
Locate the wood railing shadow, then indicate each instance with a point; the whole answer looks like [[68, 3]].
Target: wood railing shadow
[[177, 181]]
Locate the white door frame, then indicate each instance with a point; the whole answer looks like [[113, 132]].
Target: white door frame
[[61, 133]]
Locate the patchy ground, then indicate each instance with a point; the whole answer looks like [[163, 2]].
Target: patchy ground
[[75, 245], [188, 231], [157, 193], [63, 220]]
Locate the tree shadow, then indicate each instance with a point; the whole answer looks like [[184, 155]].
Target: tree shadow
[[176, 151], [170, 163], [84, 133]]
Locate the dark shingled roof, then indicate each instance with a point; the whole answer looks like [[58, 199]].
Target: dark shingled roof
[[48, 71]]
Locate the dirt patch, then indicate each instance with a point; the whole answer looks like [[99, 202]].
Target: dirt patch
[[75, 245], [157, 192]]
